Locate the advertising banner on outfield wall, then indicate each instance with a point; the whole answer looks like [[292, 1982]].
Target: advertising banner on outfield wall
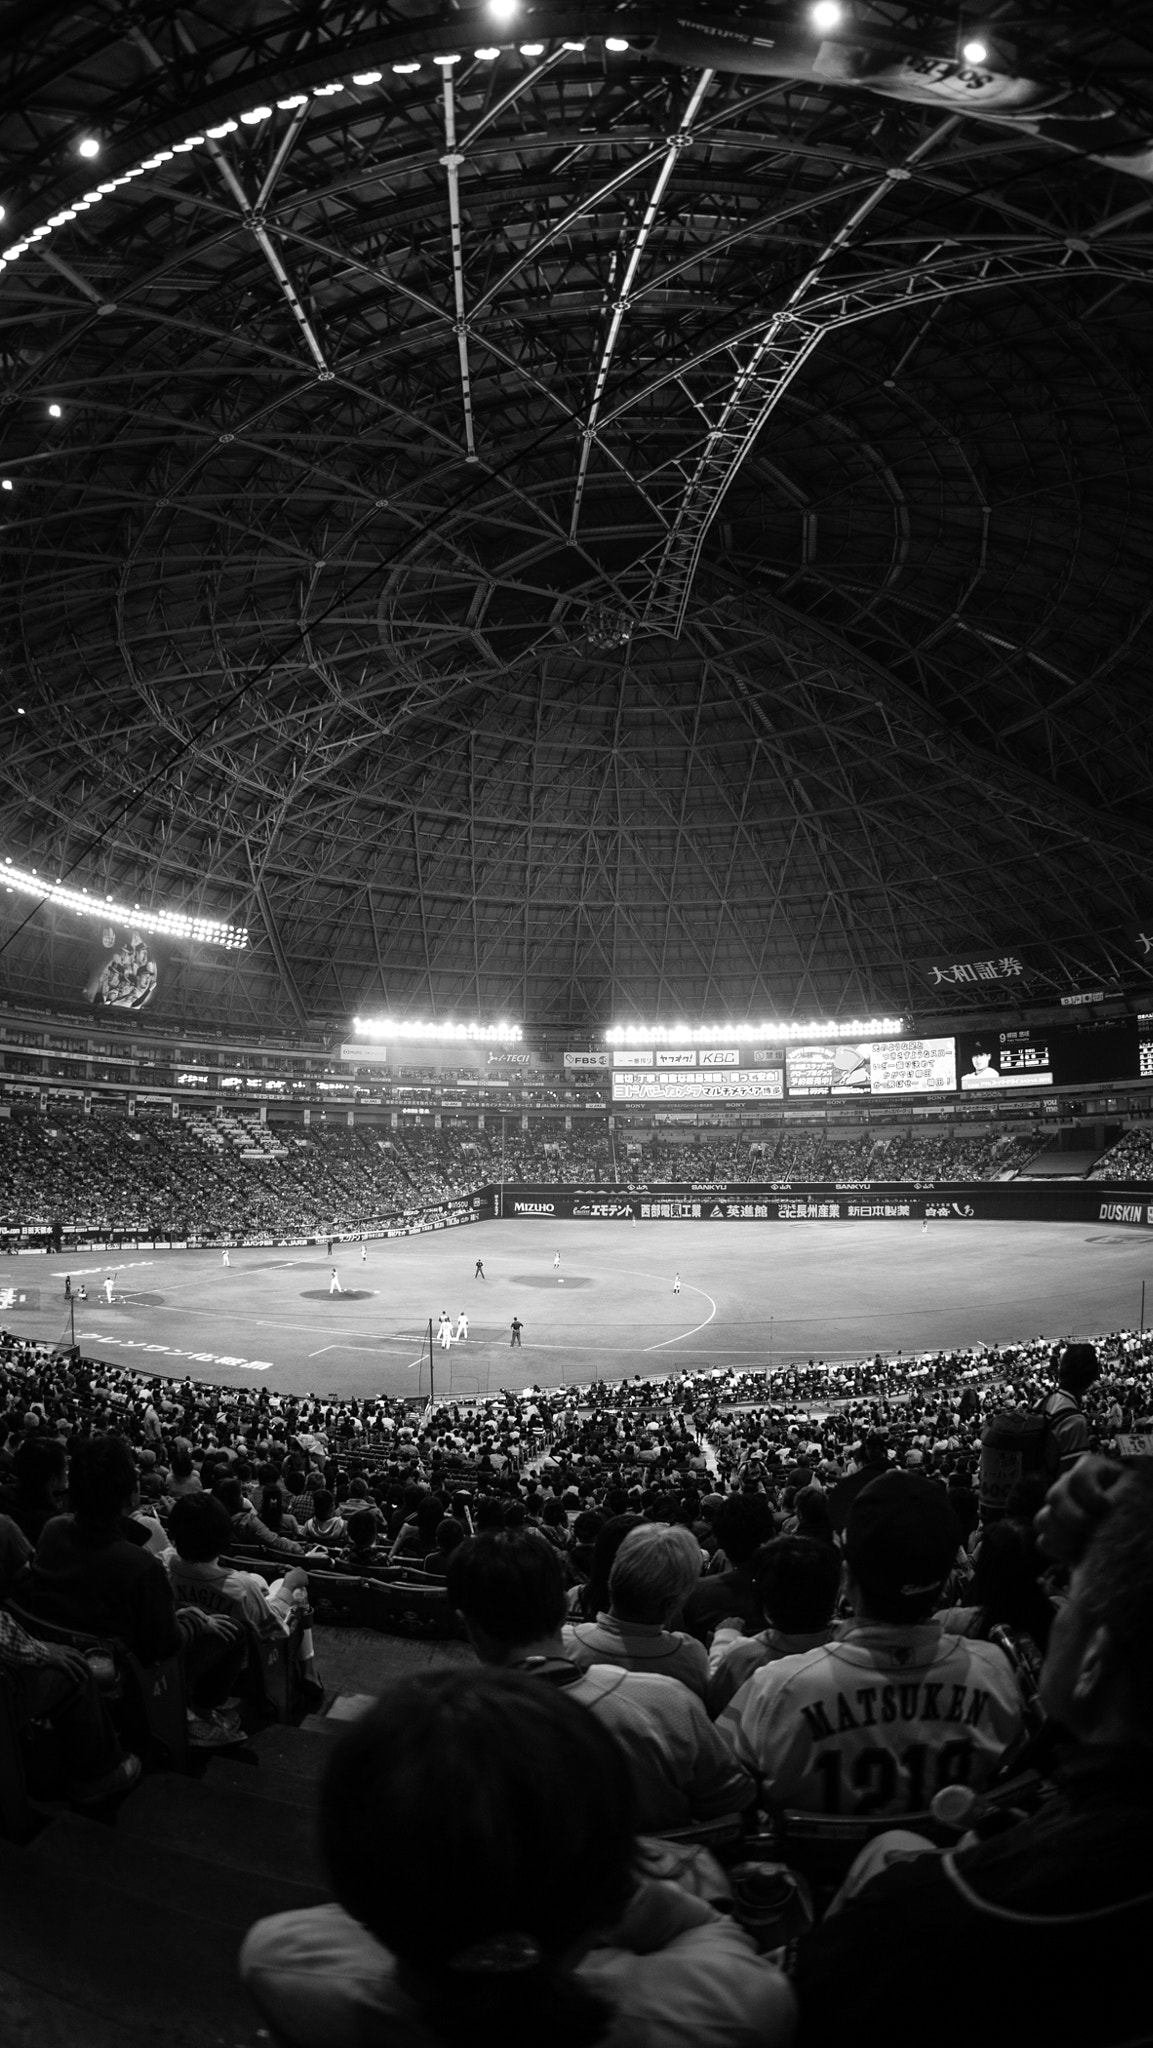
[[975, 1202]]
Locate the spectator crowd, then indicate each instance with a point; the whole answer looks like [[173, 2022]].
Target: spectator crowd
[[708, 1613], [108, 1174]]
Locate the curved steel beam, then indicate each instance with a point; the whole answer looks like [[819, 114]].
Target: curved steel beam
[[777, 357]]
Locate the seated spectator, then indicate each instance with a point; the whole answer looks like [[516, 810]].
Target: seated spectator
[[358, 1498], [741, 1525], [362, 1546], [250, 1528], [324, 1526], [1005, 1590], [16, 1553], [1052, 1915], [797, 1580], [201, 1528], [449, 1535], [49, 1682], [812, 1516], [890, 1709], [554, 1524], [182, 1475], [543, 1936], [871, 1460], [587, 1601], [653, 1574], [40, 1464], [585, 1530], [276, 1517], [509, 1591], [417, 1533], [93, 1572]]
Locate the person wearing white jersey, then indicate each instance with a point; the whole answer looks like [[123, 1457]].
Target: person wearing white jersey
[[892, 1709], [334, 1286], [461, 1327], [108, 1289]]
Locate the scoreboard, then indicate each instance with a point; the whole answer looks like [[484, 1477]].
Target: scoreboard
[[1101, 1053]]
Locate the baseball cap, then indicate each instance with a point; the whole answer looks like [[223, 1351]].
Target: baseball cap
[[901, 1538]]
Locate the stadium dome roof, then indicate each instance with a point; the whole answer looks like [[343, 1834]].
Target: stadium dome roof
[[579, 512]]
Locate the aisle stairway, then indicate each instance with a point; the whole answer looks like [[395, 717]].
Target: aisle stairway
[[122, 1931]]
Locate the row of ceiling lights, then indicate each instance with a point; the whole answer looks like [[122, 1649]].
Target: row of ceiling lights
[[823, 15]]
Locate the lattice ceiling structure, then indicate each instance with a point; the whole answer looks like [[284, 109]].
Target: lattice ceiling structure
[[612, 512]]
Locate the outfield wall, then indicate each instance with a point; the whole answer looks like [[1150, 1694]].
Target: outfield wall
[[977, 1201]]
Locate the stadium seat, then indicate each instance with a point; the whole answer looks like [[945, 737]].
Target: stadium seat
[[151, 1696], [273, 1661], [400, 1609], [821, 1846], [339, 1600], [18, 1819]]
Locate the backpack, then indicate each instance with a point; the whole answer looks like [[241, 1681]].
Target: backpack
[[1014, 1442]]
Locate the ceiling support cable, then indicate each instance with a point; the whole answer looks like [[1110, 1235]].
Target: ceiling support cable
[[288, 979], [253, 216], [452, 161], [677, 144]]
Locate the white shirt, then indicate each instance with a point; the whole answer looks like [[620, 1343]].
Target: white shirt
[[877, 1720]]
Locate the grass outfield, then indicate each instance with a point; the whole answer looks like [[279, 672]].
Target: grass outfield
[[751, 1295]]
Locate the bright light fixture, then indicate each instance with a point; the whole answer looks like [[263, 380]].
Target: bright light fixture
[[403, 68], [487, 56], [503, 10], [56, 412], [974, 51], [532, 49], [256, 114], [5, 483], [174, 924], [740, 1034], [381, 1029], [367, 77], [615, 43], [89, 146], [826, 14]]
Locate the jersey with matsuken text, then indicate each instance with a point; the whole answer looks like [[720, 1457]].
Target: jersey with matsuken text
[[876, 1721]]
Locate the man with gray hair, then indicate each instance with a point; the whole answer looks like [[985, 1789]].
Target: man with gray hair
[[653, 1573]]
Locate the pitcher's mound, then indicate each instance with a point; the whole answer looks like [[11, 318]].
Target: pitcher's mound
[[346, 1294]]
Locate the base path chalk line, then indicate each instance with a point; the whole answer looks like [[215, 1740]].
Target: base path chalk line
[[696, 1326]]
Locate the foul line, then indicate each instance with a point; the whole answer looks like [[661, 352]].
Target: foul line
[[688, 1333]]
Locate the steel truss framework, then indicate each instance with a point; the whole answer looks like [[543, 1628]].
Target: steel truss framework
[[368, 402]]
